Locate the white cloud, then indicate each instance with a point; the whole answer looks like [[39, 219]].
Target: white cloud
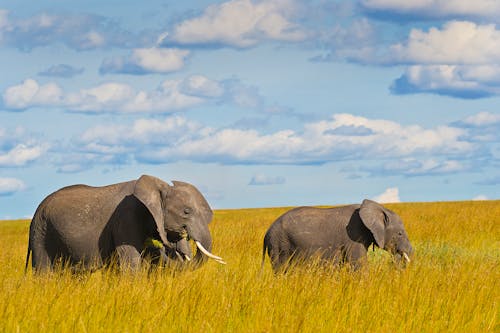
[[482, 119], [77, 31], [114, 97], [30, 93], [239, 23], [4, 21], [17, 149], [482, 126], [462, 59], [21, 154], [106, 97], [143, 132], [453, 80], [176, 139], [390, 195], [356, 42], [199, 85], [62, 71], [412, 167], [435, 8], [261, 179], [147, 60], [480, 197], [458, 43], [9, 186]]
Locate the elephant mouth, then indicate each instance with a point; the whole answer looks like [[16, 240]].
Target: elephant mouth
[[182, 257], [402, 257], [183, 250], [186, 234]]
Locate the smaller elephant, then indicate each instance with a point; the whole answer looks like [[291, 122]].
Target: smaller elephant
[[338, 235]]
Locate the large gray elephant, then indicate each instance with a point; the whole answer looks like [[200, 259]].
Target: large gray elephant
[[86, 227], [337, 235]]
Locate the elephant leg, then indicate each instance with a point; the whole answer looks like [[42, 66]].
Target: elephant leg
[[356, 255], [128, 257], [41, 260]]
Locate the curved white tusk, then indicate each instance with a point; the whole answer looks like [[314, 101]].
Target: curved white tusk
[[188, 258], [208, 254], [406, 257]]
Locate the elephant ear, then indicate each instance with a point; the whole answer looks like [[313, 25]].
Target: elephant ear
[[373, 217], [148, 190]]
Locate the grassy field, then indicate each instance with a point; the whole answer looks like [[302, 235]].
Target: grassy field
[[452, 285]]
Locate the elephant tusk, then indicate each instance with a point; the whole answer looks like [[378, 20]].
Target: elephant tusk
[[406, 257], [188, 258], [208, 254]]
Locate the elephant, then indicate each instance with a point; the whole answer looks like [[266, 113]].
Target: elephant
[[337, 235], [90, 227]]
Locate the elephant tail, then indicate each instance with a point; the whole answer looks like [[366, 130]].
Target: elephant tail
[[264, 249], [27, 258]]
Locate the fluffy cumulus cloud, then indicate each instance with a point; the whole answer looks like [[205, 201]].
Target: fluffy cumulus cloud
[[461, 60], [169, 96], [146, 60], [77, 31], [114, 97], [240, 24], [9, 186], [30, 93], [432, 9], [481, 127], [334, 139], [458, 42], [390, 195], [261, 179], [452, 80], [17, 149]]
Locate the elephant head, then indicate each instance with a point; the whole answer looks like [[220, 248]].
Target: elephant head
[[181, 213], [387, 229]]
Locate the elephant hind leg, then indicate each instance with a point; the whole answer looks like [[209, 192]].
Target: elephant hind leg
[[41, 261]]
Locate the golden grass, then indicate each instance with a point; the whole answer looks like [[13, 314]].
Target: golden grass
[[452, 284]]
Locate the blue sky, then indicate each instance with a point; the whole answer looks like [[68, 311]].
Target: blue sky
[[257, 103]]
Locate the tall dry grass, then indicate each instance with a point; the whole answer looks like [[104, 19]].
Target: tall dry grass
[[451, 286]]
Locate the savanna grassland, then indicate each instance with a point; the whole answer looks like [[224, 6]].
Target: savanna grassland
[[452, 284]]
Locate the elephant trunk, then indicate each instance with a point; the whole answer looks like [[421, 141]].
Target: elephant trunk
[[203, 241], [183, 250]]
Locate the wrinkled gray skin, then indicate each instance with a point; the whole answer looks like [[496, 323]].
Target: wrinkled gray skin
[[86, 226], [337, 235]]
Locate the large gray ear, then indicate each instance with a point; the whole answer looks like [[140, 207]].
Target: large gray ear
[[373, 217], [148, 190]]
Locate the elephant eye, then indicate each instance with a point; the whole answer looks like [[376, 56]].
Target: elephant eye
[[187, 210]]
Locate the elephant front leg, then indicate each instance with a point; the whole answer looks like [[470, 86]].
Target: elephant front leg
[[356, 255], [128, 257]]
